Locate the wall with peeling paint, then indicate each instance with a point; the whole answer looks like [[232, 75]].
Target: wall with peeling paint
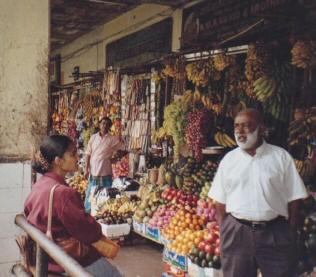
[[24, 29], [24, 33], [88, 51]]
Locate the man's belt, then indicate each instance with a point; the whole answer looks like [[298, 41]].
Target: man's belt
[[260, 224], [100, 178]]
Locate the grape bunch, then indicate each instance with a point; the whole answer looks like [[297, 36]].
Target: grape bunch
[[175, 122], [197, 131]]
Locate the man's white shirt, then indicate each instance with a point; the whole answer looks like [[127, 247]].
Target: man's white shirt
[[257, 187]]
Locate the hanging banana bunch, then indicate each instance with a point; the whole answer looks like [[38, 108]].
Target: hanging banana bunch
[[223, 139], [264, 88], [305, 168], [258, 64], [304, 54], [198, 73], [222, 61]]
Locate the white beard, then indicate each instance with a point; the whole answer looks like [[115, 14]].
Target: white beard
[[251, 140]]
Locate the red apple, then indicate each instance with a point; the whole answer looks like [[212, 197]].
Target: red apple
[[210, 238], [190, 198], [201, 245], [217, 242], [209, 249], [211, 225], [217, 251], [195, 198], [164, 195], [169, 197]]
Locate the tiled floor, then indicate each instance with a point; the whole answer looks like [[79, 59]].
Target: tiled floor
[[141, 258]]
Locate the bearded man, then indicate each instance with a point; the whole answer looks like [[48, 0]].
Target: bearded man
[[257, 190]]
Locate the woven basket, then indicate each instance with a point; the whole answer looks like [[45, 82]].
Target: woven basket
[[106, 247]]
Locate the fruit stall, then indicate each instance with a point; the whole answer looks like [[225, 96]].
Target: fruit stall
[[173, 209], [179, 114]]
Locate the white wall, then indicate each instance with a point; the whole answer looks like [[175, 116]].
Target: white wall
[[24, 48], [92, 54], [14, 188]]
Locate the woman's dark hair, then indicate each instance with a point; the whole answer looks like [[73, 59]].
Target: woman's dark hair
[[106, 119], [52, 146]]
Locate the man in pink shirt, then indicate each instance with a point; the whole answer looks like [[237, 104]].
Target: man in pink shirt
[[100, 149]]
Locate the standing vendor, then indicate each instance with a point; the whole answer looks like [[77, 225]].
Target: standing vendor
[[101, 148], [258, 191]]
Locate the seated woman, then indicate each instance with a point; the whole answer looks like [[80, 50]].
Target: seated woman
[[56, 157]]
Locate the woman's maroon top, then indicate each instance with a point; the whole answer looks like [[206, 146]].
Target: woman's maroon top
[[69, 217]]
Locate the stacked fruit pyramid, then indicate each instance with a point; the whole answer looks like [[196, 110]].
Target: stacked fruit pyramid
[[184, 219]]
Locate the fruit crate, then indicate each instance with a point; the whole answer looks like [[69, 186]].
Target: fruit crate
[[153, 233], [115, 230], [196, 271], [175, 259]]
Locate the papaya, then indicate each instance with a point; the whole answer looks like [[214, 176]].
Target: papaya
[[169, 178], [178, 181]]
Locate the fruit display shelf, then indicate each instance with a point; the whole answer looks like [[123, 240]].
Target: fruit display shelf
[[148, 237], [213, 150], [139, 228]]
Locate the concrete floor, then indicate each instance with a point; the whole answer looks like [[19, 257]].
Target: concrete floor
[[140, 258]]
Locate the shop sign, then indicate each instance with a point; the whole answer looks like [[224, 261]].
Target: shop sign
[[216, 20], [176, 259], [141, 47], [153, 233]]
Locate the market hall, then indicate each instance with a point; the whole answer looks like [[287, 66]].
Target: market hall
[[171, 76]]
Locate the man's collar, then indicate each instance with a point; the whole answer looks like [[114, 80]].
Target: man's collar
[[105, 135], [261, 148]]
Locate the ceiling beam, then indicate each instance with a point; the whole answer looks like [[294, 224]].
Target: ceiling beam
[[113, 3], [174, 3]]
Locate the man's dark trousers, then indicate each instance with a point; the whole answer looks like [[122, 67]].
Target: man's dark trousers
[[246, 248]]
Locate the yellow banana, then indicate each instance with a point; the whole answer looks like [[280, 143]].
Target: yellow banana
[[229, 141], [217, 138]]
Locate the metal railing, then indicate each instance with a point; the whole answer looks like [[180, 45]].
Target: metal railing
[[46, 248]]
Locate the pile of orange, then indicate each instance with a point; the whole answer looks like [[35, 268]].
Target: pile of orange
[[186, 240], [183, 220]]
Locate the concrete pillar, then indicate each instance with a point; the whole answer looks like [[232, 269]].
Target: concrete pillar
[[177, 30], [24, 48]]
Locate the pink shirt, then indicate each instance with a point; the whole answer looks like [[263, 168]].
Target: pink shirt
[[101, 149]]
